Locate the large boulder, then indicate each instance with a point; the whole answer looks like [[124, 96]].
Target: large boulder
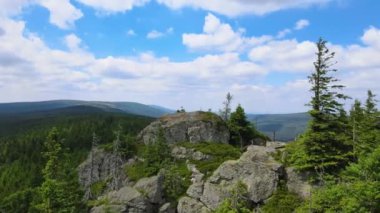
[[190, 205], [100, 167], [255, 168], [152, 188], [126, 199], [193, 127], [297, 182]]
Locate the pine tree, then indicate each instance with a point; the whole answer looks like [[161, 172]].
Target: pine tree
[[242, 131], [325, 140], [59, 192], [226, 111], [356, 120], [369, 136], [51, 187]]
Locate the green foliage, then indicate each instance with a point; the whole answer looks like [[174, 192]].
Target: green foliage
[[58, 193], [282, 200], [138, 170], [325, 144], [97, 188], [176, 180], [21, 162], [19, 202], [237, 202], [367, 168], [356, 197], [365, 126], [219, 153], [156, 155], [242, 131]]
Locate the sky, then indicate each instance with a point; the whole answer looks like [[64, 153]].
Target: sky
[[185, 53]]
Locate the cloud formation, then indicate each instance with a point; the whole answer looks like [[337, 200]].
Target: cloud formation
[[154, 34], [218, 36], [234, 8]]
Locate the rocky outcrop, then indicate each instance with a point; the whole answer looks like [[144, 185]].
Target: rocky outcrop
[[193, 127], [167, 208], [181, 153], [152, 188], [191, 205], [145, 196], [297, 182], [100, 167], [126, 199], [255, 168]]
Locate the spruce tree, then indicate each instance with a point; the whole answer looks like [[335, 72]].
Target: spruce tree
[[325, 140], [369, 136], [59, 192], [242, 131], [226, 111]]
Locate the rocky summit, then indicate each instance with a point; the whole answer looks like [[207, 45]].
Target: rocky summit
[[193, 127]]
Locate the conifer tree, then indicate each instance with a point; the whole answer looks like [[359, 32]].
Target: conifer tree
[[58, 192], [369, 135], [242, 131], [226, 111], [325, 140]]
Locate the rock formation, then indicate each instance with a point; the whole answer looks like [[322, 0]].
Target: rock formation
[[102, 163], [255, 168], [193, 127]]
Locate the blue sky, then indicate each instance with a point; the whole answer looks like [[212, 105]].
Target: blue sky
[[186, 53]]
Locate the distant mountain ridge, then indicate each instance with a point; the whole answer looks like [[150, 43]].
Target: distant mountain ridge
[[120, 107], [284, 127]]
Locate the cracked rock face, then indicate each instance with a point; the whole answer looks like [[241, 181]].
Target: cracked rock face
[[194, 127], [103, 169], [145, 197], [255, 168]]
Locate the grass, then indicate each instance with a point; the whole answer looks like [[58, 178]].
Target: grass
[[219, 153], [98, 187]]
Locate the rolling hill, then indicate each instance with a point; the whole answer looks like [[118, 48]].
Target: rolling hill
[[285, 126], [126, 107]]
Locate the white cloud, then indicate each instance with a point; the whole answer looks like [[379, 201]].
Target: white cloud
[[218, 36], [13, 7], [154, 34], [113, 6], [284, 55], [62, 13], [371, 37], [301, 24], [241, 7], [38, 72], [283, 33], [73, 42]]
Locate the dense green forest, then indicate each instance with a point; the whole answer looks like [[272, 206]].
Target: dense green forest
[[22, 161]]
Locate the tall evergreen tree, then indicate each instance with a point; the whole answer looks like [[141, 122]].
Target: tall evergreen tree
[[325, 140], [369, 135], [242, 131], [58, 192], [356, 121]]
